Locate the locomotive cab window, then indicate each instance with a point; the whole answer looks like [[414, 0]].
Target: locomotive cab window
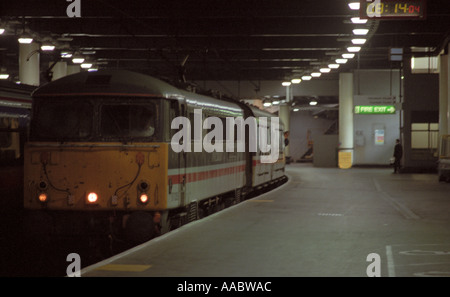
[[130, 120], [62, 120]]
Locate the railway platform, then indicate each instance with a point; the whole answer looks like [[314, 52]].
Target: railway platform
[[324, 222]]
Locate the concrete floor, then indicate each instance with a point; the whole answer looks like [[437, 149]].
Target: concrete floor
[[324, 222]]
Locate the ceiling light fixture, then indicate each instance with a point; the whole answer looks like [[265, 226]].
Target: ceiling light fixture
[[354, 5], [359, 40], [25, 39], [313, 103], [334, 66], [47, 47], [348, 56], [285, 84], [316, 74], [267, 103], [86, 65], [341, 61], [360, 31], [2, 30], [357, 20], [296, 81], [4, 76], [66, 55], [307, 77], [325, 70], [354, 49], [77, 59]]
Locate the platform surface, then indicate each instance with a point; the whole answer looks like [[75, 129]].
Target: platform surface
[[324, 222]]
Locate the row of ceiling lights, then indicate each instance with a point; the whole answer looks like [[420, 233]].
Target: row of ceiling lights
[[48, 46], [357, 42]]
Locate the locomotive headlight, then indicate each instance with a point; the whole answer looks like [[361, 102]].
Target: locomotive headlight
[[143, 198], [92, 198], [142, 189], [43, 197]]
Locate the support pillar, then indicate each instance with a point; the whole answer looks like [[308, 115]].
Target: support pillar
[[59, 70], [72, 69], [345, 153], [443, 95], [29, 64]]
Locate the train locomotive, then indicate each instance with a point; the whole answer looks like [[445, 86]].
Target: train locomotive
[[100, 155]]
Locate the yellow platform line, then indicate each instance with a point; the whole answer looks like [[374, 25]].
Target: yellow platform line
[[124, 267]]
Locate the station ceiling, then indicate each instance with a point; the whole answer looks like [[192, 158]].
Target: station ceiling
[[252, 40]]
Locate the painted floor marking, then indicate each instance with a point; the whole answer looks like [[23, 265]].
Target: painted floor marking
[[329, 214], [124, 267], [262, 201], [390, 261], [405, 211]]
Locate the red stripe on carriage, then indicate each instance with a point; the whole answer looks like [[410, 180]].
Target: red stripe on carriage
[[204, 175]]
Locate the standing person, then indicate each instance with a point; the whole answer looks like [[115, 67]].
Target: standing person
[[398, 154]]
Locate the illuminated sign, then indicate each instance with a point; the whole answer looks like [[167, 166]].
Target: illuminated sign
[[393, 9], [374, 109]]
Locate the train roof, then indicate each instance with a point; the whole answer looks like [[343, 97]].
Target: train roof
[[107, 83], [131, 84]]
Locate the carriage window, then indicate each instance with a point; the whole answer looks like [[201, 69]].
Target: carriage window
[[63, 120], [128, 120]]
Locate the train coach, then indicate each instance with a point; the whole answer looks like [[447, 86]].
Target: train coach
[[15, 107], [100, 156]]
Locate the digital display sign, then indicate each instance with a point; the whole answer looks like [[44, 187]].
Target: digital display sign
[[393, 9]]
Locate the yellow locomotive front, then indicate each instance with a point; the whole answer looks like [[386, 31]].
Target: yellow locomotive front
[[92, 176]]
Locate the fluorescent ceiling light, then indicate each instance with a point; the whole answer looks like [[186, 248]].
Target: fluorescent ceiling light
[[313, 103], [333, 66], [316, 74], [93, 69], [267, 103], [4, 76], [354, 5], [47, 47], [348, 56], [2, 31], [341, 61], [357, 20], [66, 55], [360, 31], [276, 102], [25, 40], [296, 80], [78, 60], [306, 77], [325, 70], [359, 40], [86, 65], [354, 49], [285, 84]]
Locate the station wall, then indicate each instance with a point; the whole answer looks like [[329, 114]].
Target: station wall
[[375, 134]]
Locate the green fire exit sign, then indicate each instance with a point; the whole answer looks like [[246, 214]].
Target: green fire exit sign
[[374, 109]]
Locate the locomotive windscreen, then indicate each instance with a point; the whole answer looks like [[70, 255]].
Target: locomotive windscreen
[[94, 119], [62, 120]]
